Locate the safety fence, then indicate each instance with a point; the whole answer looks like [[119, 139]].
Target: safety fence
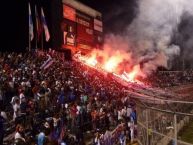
[[164, 124]]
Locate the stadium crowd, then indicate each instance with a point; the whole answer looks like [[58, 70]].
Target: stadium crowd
[[47, 100], [60, 102]]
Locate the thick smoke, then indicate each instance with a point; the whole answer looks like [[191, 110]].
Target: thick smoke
[[149, 37], [119, 14], [184, 38]]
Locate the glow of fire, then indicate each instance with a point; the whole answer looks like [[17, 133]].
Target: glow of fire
[[132, 75], [111, 64], [91, 61]]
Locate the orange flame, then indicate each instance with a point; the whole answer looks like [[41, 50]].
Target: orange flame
[[92, 60], [132, 75], [110, 62]]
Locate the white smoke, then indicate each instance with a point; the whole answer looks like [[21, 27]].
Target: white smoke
[[149, 36]]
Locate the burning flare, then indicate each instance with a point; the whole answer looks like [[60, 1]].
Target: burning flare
[[91, 60], [111, 64], [110, 61]]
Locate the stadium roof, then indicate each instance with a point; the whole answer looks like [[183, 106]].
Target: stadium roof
[[83, 8]]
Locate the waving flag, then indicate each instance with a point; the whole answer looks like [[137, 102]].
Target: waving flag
[[47, 34], [47, 63], [38, 24], [31, 33]]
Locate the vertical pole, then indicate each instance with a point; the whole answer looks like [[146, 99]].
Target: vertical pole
[[183, 64], [147, 131], [36, 40], [42, 43], [29, 44], [175, 129]]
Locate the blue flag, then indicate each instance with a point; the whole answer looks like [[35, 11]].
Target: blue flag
[[46, 31], [31, 33]]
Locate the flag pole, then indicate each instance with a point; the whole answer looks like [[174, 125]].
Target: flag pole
[[29, 44], [36, 40], [42, 40]]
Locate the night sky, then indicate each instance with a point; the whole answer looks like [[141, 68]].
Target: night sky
[[117, 15]]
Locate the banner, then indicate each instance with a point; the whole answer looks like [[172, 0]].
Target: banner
[[47, 63], [69, 13]]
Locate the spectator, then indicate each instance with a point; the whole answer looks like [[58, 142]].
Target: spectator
[[97, 139], [1, 129], [1, 97], [122, 138], [41, 140], [16, 109], [3, 114], [19, 135], [65, 95]]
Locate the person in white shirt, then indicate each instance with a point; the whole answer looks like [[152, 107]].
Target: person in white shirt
[[78, 109], [132, 132], [21, 96], [16, 109], [119, 115], [97, 139], [3, 114], [123, 112], [19, 135], [129, 110], [14, 98]]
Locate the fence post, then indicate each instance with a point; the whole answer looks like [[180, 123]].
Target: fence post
[[147, 143], [175, 130]]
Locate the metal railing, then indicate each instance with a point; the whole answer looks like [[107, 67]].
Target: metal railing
[[160, 124]]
